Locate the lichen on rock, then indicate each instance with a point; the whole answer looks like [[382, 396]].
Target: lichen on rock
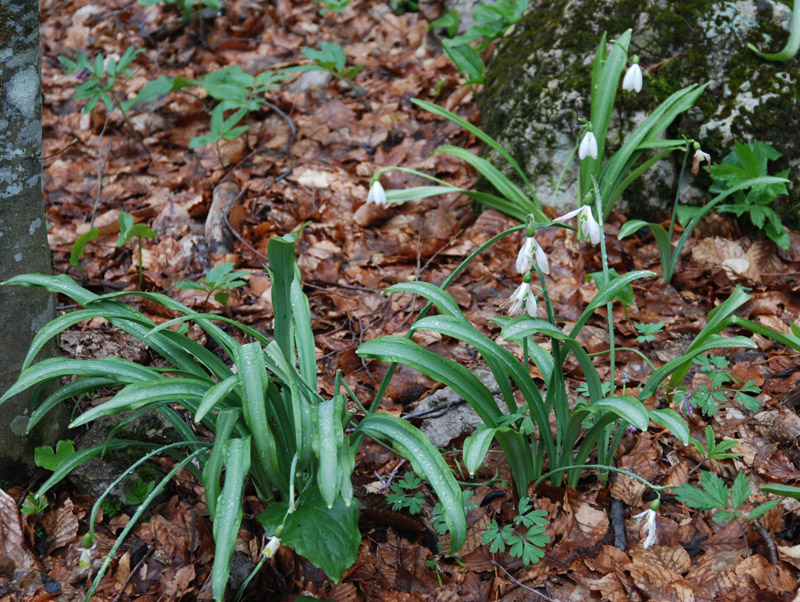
[[537, 89]]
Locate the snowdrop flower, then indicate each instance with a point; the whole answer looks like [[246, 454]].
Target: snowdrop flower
[[699, 157], [523, 295], [632, 82], [377, 195], [272, 547], [587, 225], [588, 146], [86, 557], [531, 250], [650, 526]]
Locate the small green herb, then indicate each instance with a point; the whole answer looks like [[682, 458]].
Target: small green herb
[[33, 505], [127, 230], [218, 279], [333, 59], [713, 494], [527, 545], [713, 450], [46, 458], [139, 491], [647, 332], [405, 494], [186, 6], [748, 161]]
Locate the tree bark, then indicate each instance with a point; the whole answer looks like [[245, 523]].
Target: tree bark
[[23, 230]]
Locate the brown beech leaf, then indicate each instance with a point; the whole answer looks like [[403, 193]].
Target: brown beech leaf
[[12, 545], [61, 525]]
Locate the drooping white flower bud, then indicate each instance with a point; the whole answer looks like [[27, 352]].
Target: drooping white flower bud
[[377, 195], [632, 82], [588, 147]]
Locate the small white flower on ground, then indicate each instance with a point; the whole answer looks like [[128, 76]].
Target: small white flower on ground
[[86, 557], [587, 225], [649, 528], [523, 295], [531, 251], [699, 157], [588, 146], [272, 547], [377, 195], [632, 82]]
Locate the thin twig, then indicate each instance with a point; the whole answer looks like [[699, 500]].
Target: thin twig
[[772, 549], [131, 574], [242, 240], [101, 165], [520, 584]]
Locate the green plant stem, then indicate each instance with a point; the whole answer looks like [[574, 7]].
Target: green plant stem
[[678, 193], [631, 349], [657, 488], [792, 44], [139, 240]]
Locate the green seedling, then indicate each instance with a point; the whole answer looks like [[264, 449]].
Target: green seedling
[[79, 248], [405, 494], [713, 450], [33, 505], [139, 491], [706, 396], [525, 544], [333, 6], [111, 508], [186, 6], [332, 58], [713, 494], [218, 280], [128, 229], [647, 332], [239, 94]]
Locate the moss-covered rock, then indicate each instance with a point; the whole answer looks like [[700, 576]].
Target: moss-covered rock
[[537, 88]]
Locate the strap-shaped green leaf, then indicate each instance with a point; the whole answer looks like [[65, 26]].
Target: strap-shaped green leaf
[[606, 294], [497, 178], [680, 363], [143, 394], [228, 515], [427, 462], [214, 395], [476, 447], [443, 300], [329, 439], [73, 389], [120, 370], [672, 421], [226, 422], [477, 132], [250, 368], [448, 372]]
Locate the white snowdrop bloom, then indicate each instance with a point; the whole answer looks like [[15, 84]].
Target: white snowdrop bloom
[[272, 547], [587, 225], [377, 195], [523, 295], [632, 82], [531, 251], [649, 528], [699, 157], [588, 147]]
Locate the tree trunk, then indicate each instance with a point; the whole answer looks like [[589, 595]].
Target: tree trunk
[[23, 229]]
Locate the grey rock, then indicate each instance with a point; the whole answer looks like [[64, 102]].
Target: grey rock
[[445, 415], [537, 88], [311, 80], [94, 476]]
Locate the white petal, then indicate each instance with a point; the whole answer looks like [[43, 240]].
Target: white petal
[[530, 305], [541, 259], [377, 194], [633, 79], [592, 145], [517, 297], [569, 215], [524, 255], [589, 226], [583, 151], [272, 547]]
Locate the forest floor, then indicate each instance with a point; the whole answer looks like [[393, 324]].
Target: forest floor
[[309, 160]]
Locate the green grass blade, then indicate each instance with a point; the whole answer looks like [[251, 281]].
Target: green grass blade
[[226, 422]]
